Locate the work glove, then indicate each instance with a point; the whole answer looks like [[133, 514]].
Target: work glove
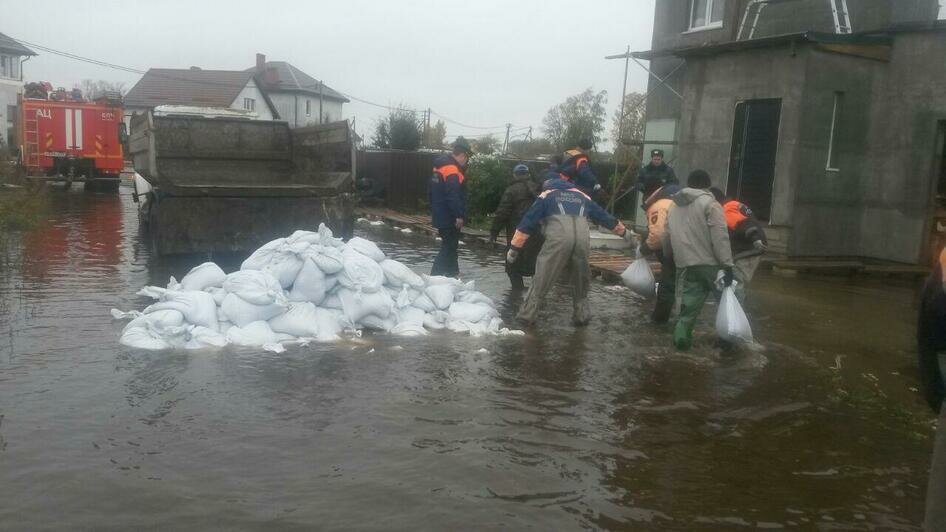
[[724, 278], [628, 236], [760, 245], [459, 223], [512, 255], [597, 187]]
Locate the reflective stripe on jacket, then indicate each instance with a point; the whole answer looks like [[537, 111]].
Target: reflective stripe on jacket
[[562, 198], [446, 192]]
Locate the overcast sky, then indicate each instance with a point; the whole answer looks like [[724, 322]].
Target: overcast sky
[[482, 63]]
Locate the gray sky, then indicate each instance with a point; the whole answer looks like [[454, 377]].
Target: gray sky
[[481, 63]]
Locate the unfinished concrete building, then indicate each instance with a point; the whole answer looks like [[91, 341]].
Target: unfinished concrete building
[[827, 117]]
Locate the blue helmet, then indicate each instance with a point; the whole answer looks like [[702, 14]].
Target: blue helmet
[[520, 169]]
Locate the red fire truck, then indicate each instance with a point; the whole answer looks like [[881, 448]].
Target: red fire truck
[[65, 137]]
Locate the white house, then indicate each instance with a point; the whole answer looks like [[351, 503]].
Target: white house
[[12, 56], [194, 87], [299, 98]]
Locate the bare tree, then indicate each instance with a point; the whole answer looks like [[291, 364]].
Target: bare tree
[[93, 89]]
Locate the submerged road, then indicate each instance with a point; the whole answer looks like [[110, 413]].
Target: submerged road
[[564, 429]]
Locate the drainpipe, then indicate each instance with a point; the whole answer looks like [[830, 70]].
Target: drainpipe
[[21, 65]]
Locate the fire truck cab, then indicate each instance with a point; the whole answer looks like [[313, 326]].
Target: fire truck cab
[[67, 138]]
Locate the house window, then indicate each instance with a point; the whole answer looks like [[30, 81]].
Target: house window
[[308, 107], [832, 163], [249, 104], [5, 67], [12, 113], [705, 14]]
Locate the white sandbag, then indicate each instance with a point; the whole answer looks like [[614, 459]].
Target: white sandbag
[[436, 320], [378, 324], [357, 305], [328, 325], [309, 284], [307, 237], [144, 337], [397, 274], [472, 296], [430, 280], [300, 320], [331, 301], [284, 267], [327, 258], [409, 329], [254, 286], [366, 248], [360, 272], [217, 292], [424, 303], [198, 308], [441, 294], [328, 239], [403, 299], [732, 324], [120, 315], [201, 337], [162, 319], [241, 312], [263, 255], [639, 278], [472, 312], [257, 333], [204, 276], [411, 315]]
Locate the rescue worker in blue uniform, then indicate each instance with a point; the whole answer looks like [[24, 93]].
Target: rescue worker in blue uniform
[[575, 163], [447, 196], [561, 214], [931, 348]]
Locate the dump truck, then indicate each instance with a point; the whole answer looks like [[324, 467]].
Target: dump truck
[[66, 137], [217, 183]]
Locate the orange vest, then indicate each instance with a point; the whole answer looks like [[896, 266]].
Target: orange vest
[[448, 170], [734, 215]]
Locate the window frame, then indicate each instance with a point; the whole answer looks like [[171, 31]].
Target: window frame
[[308, 107], [709, 24], [5, 71], [249, 104], [831, 164]]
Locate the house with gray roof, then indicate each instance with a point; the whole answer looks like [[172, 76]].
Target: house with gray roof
[[299, 98], [198, 88], [12, 57]]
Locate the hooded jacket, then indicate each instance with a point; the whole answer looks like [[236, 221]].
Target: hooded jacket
[[561, 198], [516, 200], [578, 169], [446, 192], [657, 206], [696, 232]]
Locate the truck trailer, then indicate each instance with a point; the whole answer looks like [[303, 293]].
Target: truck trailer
[[218, 183]]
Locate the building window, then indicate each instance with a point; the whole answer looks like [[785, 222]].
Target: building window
[[706, 14], [835, 120], [308, 107], [5, 64], [12, 113], [249, 104]]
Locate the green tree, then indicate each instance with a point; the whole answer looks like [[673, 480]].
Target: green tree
[[400, 130], [581, 116], [629, 135], [486, 145], [530, 149], [486, 178], [436, 135]]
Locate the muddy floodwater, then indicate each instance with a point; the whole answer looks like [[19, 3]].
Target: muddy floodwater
[[564, 429]]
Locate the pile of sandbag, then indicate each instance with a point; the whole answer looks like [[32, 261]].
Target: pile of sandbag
[[309, 286]]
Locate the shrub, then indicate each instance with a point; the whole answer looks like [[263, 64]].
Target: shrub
[[486, 178]]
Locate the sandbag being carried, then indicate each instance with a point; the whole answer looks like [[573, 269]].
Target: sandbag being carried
[[732, 324], [639, 278]]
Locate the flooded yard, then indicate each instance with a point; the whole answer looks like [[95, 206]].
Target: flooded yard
[[602, 428]]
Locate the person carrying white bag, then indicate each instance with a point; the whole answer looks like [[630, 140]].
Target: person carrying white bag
[[639, 277], [732, 324]]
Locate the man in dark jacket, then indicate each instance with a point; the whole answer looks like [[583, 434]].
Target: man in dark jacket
[[575, 162], [447, 197], [516, 200], [655, 175], [747, 238], [931, 347], [561, 214]]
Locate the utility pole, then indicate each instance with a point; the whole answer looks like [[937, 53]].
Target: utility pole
[[506, 142], [427, 128], [627, 62]]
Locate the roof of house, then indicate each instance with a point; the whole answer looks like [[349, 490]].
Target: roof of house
[[290, 78], [7, 44], [202, 88]]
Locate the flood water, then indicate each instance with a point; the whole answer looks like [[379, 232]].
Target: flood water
[[565, 429]]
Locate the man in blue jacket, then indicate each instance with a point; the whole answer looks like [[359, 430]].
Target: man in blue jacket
[[575, 163], [561, 213], [447, 196]]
